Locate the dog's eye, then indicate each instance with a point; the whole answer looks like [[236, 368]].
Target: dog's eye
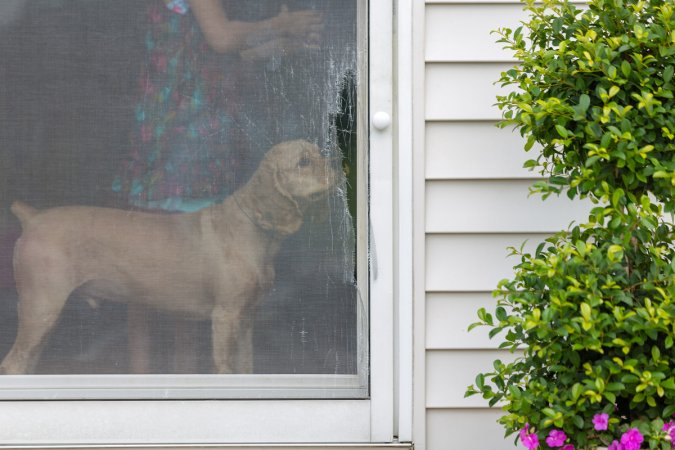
[[304, 161]]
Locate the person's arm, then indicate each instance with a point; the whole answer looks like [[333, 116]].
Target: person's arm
[[228, 36]]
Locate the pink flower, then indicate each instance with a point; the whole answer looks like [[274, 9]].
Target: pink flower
[[600, 421], [615, 445], [529, 440], [632, 439], [669, 428], [567, 447], [556, 438]]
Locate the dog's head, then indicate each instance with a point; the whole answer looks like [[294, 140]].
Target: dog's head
[[292, 176], [302, 171]]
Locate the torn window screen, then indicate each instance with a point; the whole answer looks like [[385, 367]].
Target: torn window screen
[[133, 105]]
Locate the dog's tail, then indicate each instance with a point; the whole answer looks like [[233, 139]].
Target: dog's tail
[[23, 211]]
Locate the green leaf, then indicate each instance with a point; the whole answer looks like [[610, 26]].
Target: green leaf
[[578, 421], [668, 73], [548, 412], [600, 384], [530, 163], [577, 389], [656, 353], [562, 131], [585, 311], [615, 253], [529, 144], [581, 247], [500, 313], [606, 140], [494, 332], [617, 197], [591, 160], [480, 381], [615, 387]]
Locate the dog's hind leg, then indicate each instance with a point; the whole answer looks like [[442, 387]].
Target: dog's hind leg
[[33, 328], [43, 292]]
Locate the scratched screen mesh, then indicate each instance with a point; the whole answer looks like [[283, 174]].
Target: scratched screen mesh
[[149, 107]]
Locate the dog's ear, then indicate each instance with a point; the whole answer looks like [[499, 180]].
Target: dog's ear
[[279, 222], [286, 217], [271, 206]]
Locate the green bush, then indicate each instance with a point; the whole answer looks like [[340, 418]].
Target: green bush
[[595, 90], [591, 310]]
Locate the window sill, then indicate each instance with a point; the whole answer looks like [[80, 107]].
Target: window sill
[[72, 424]]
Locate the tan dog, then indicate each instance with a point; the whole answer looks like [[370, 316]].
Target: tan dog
[[215, 263]]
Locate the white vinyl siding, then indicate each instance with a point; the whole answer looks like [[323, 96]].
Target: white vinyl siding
[[471, 207], [465, 428], [479, 150], [462, 262], [456, 31], [463, 90], [475, 205], [448, 316]]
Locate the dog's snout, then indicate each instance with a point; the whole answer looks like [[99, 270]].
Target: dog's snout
[[333, 161], [334, 169]]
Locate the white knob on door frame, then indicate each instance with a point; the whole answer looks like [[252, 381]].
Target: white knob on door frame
[[381, 120]]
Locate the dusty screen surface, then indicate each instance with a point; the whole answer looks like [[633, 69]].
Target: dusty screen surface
[[220, 139]]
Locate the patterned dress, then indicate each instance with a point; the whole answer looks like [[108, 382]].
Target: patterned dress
[[185, 147]]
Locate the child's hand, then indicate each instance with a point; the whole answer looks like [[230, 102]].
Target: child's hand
[[281, 46], [305, 25]]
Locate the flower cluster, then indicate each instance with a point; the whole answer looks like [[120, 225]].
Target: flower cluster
[[631, 439], [669, 428]]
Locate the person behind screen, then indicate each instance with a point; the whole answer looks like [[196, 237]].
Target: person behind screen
[[186, 148], [187, 151]]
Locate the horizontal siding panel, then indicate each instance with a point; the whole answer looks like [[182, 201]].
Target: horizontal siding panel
[[450, 372], [463, 91], [466, 429], [472, 262], [492, 2], [463, 32], [474, 150], [497, 206], [473, 2], [449, 316]]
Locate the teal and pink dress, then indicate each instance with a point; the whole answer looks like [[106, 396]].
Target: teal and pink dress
[[185, 145]]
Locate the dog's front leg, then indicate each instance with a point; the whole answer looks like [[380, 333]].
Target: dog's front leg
[[243, 357], [228, 328]]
